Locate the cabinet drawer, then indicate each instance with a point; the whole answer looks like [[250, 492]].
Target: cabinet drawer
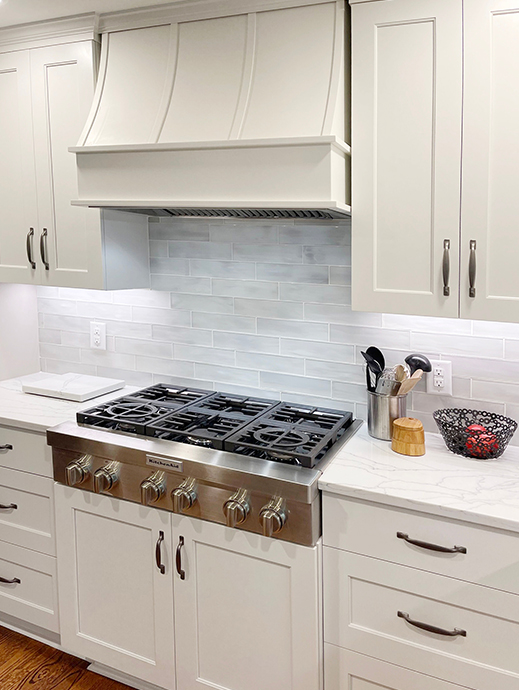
[[35, 598], [345, 670], [363, 597], [29, 451], [31, 523], [491, 558]]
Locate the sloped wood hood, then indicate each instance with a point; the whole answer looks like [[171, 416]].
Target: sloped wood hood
[[203, 108]]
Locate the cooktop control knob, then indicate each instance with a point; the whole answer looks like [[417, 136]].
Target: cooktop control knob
[[273, 516], [153, 488], [237, 508], [105, 478], [76, 472], [184, 496]]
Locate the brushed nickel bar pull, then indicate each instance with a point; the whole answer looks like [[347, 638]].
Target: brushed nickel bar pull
[[43, 248], [14, 581], [431, 628], [30, 236], [431, 547], [446, 267], [472, 269]]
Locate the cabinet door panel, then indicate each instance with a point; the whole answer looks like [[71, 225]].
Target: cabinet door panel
[[247, 614], [490, 198], [406, 142], [63, 82], [116, 606], [18, 210]]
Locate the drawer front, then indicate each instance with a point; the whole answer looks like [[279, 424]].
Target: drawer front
[[26, 451], [34, 598], [363, 598], [491, 558], [345, 670], [31, 522]]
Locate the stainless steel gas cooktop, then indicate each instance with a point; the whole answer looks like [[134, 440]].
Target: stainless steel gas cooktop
[[247, 462]]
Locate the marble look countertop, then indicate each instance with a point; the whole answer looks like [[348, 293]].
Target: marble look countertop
[[485, 492], [37, 412]]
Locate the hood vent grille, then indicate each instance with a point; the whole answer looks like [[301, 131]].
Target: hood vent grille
[[255, 213]]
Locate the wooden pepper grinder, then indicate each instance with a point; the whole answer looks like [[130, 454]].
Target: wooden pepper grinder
[[408, 436]]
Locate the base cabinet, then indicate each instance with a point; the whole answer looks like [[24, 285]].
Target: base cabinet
[[247, 613], [229, 610], [345, 670], [116, 605]]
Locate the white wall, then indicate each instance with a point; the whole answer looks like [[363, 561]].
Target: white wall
[[19, 331], [263, 308]]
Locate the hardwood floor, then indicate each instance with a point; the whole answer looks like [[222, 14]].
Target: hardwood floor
[[29, 665]]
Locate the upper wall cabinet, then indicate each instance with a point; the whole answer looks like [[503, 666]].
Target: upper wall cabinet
[[406, 144], [46, 92], [428, 74]]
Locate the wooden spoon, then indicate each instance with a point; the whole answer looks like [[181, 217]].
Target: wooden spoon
[[408, 385]]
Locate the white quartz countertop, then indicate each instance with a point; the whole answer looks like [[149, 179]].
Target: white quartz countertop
[[485, 492], [37, 412]]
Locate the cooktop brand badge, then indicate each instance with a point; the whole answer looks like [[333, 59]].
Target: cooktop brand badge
[[167, 463]]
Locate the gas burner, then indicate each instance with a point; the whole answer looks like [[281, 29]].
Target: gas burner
[[281, 437], [237, 404], [173, 397], [134, 411], [303, 415], [195, 426]]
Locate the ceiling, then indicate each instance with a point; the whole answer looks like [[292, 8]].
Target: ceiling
[[23, 11]]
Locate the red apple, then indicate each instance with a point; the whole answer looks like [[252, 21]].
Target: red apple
[[482, 445]]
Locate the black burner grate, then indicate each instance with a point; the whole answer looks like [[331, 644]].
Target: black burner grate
[[267, 429]]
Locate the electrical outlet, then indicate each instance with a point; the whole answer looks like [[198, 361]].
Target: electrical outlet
[[97, 335], [439, 380]]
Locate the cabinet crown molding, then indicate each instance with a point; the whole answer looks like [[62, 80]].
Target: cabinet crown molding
[[81, 27]]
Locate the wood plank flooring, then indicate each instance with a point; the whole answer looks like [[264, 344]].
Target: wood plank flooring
[[29, 665]]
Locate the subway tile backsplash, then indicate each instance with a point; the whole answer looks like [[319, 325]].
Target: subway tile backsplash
[[264, 309]]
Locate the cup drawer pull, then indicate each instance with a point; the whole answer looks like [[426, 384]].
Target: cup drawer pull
[[432, 628], [429, 546]]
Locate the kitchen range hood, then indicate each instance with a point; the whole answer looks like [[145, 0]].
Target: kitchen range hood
[[220, 108]]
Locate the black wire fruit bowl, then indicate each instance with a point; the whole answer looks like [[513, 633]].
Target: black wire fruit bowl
[[475, 433]]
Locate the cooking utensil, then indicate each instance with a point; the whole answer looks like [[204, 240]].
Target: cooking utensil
[[400, 373], [408, 385], [377, 354], [387, 384], [373, 367], [417, 361]]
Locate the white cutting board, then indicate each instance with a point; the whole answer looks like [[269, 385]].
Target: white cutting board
[[75, 387]]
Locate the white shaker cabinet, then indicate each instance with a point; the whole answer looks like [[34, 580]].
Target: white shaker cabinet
[[18, 207], [247, 613], [406, 143], [45, 97], [116, 604], [490, 174], [423, 82]]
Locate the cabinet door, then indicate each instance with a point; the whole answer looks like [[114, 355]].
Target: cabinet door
[[18, 211], [406, 154], [116, 607], [490, 207], [62, 91], [247, 614]]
